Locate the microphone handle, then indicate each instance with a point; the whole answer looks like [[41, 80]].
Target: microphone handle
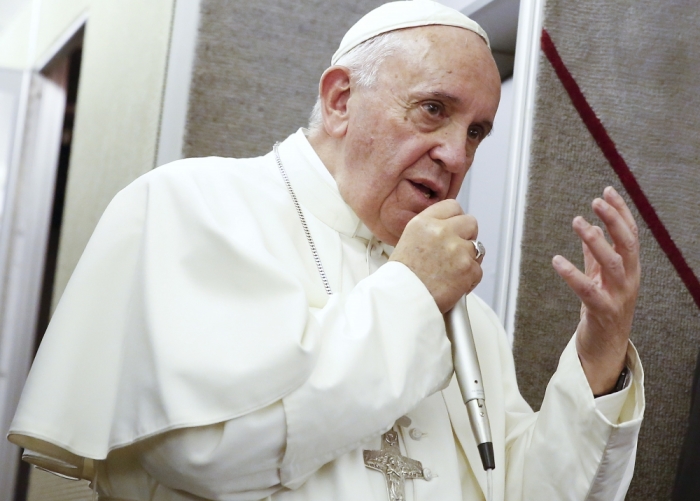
[[466, 365]]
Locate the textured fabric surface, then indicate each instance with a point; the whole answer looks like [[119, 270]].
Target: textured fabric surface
[[257, 68], [637, 64]]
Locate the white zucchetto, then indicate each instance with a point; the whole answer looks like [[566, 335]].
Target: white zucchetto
[[404, 14]]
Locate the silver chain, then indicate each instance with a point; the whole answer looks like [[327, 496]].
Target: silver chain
[[317, 259]]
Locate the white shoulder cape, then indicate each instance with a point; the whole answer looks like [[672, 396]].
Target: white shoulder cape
[[151, 303]]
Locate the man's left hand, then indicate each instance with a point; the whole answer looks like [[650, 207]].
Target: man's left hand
[[608, 289]]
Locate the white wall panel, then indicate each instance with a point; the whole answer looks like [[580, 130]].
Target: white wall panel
[[484, 194]]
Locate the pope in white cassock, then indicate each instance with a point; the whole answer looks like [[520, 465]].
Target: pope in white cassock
[[268, 328]]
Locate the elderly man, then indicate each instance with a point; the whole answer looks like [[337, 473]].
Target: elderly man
[[272, 327]]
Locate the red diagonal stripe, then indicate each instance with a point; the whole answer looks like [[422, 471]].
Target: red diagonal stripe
[[607, 146]]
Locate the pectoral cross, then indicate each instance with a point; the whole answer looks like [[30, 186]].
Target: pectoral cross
[[395, 467]]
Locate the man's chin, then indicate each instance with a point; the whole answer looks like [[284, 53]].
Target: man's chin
[[390, 229], [395, 228]]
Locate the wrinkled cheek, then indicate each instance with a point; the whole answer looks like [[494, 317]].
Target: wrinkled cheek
[[398, 209], [369, 142], [407, 198], [363, 147]]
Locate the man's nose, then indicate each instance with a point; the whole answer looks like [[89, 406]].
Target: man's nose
[[452, 149]]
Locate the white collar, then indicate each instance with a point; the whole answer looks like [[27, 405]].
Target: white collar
[[317, 190]]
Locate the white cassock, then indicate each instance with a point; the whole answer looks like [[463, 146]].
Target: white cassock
[[196, 350]]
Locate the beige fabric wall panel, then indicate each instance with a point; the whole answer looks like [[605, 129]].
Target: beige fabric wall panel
[[118, 113], [637, 63], [257, 68]]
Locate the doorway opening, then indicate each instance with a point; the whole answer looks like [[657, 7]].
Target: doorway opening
[[64, 70], [74, 59]]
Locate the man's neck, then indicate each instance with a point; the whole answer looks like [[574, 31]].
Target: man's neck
[[326, 148]]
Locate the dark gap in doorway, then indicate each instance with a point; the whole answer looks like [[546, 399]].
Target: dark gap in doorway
[[59, 195]]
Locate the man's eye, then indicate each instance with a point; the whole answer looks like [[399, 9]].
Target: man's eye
[[476, 133], [433, 109]]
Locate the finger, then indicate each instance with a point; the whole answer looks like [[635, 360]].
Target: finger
[[615, 199], [591, 266], [602, 252], [584, 287], [443, 209], [464, 225], [626, 242], [471, 248]]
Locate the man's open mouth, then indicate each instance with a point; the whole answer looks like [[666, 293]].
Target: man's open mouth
[[427, 192]]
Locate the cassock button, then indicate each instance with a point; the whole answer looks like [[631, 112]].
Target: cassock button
[[416, 434]]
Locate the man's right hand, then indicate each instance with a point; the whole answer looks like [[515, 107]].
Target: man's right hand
[[436, 246]]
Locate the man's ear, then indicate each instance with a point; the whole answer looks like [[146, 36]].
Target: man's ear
[[334, 90]]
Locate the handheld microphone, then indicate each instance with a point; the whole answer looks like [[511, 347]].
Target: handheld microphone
[[466, 364]]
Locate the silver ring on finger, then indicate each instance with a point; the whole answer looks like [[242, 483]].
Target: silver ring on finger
[[480, 249]]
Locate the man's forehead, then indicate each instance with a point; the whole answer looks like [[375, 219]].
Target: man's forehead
[[440, 69], [445, 40], [429, 54], [400, 15]]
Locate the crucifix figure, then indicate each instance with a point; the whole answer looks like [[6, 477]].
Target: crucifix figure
[[395, 467]]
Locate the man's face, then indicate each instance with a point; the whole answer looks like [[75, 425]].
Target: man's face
[[412, 136]]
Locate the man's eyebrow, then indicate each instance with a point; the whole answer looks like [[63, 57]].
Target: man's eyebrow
[[444, 96]]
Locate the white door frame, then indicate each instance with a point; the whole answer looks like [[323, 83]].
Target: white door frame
[[183, 42], [527, 54]]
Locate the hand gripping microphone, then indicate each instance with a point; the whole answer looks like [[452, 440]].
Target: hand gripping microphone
[[466, 364]]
